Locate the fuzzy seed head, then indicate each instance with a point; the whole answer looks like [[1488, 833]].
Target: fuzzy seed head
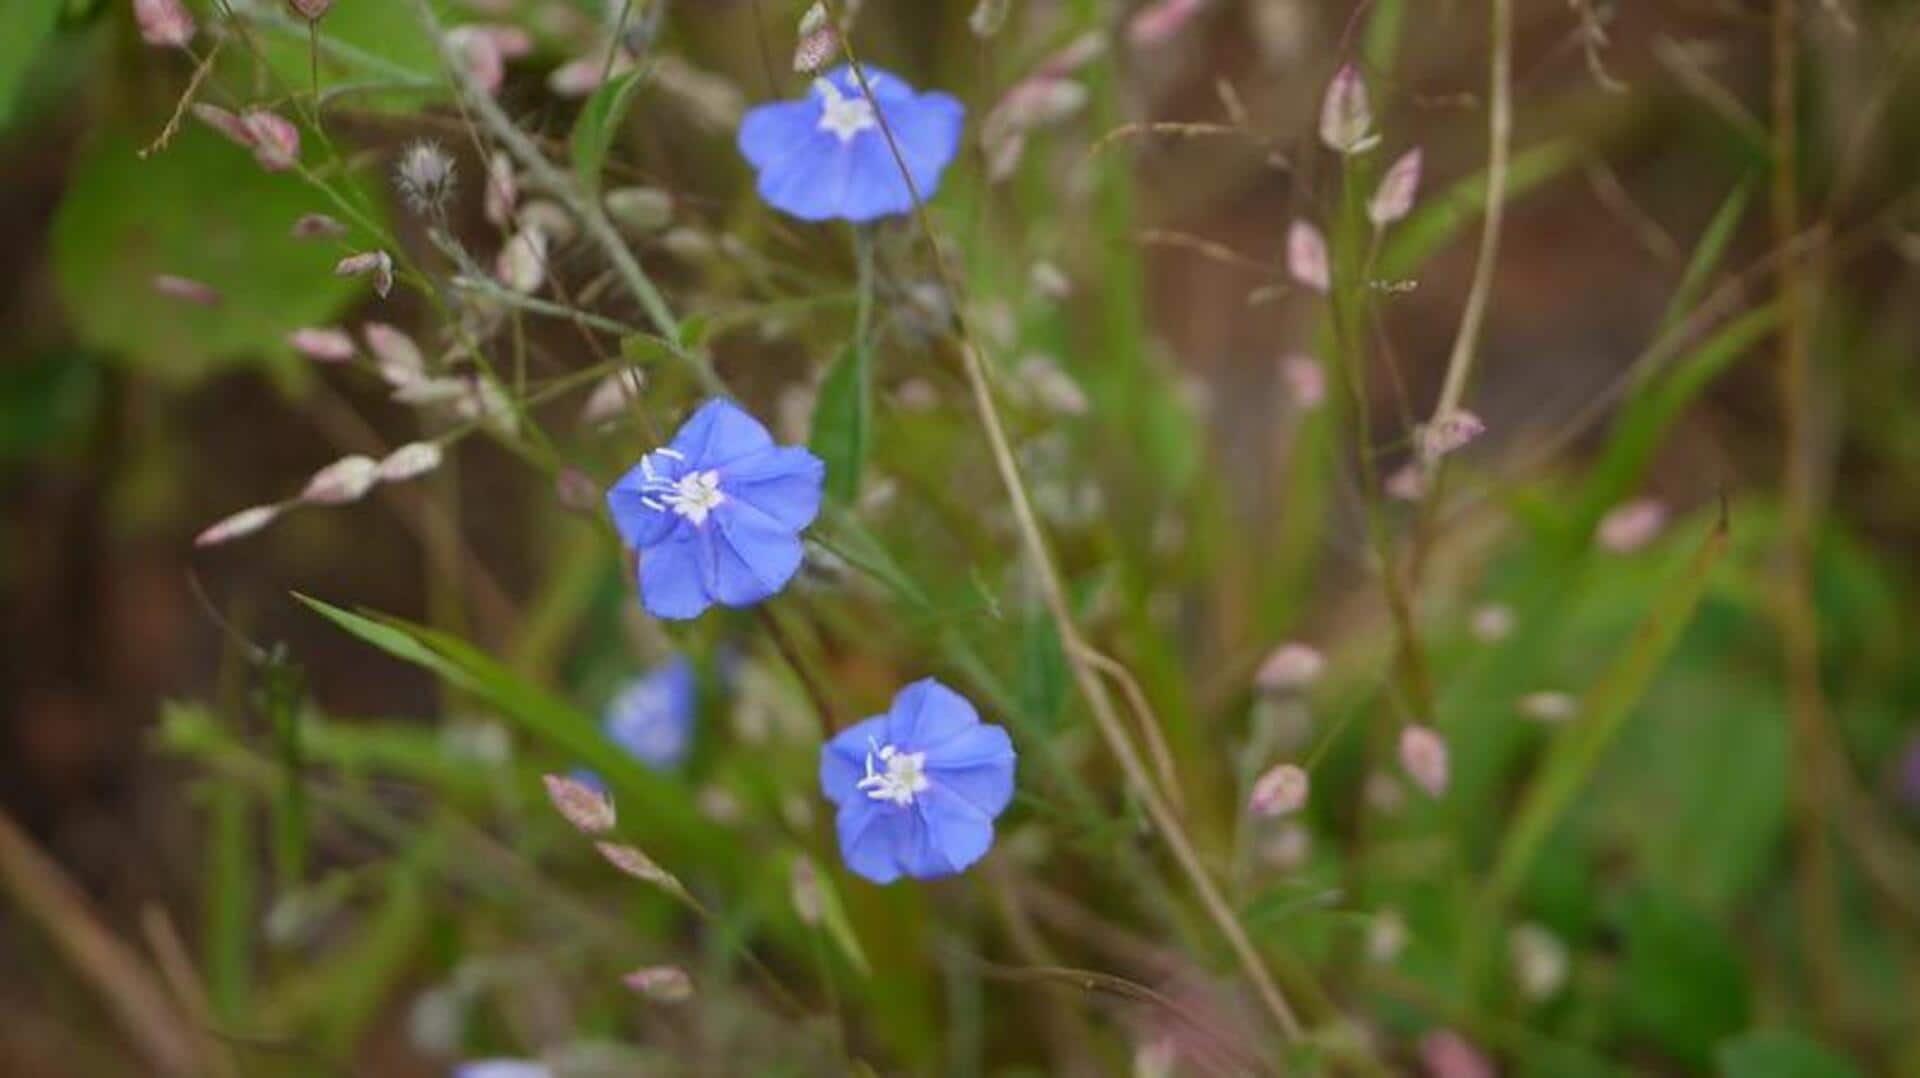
[[244, 523], [1307, 257], [1282, 790], [587, 809], [410, 461], [1346, 116], [425, 176], [345, 480], [1393, 199]]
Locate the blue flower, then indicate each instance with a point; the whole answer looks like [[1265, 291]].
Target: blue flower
[[502, 1068], [918, 787], [825, 156], [716, 515], [652, 716]]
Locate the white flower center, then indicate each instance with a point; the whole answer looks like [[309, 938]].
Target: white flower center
[[905, 775], [842, 115], [693, 495]]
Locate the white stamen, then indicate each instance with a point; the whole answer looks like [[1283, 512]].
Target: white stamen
[[693, 495], [905, 776], [842, 115]]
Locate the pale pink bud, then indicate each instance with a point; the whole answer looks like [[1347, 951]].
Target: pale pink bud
[[1491, 622], [636, 864], [399, 359], [1632, 525], [613, 396], [1449, 432], [1447, 1054], [345, 480], [1346, 117], [1549, 707], [1306, 382], [310, 10], [1423, 755], [1283, 789], [243, 523], [1307, 257], [163, 23], [522, 263], [227, 123], [817, 41], [502, 191], [587, 809], [375, 264], [186, 288], [806, 892], [480, 59], [661, 984], [275, 141], [410, 461], [511, 42], [1159, 23], [318, 226], [322, 345], [1393, 199], [1408, 483], [1289, 667], [578, 78]]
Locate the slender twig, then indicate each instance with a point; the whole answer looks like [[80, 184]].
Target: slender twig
[[1143, 713], [1112, 729]]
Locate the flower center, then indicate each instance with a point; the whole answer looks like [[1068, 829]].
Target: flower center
[[693, 495], [905, 775], [842, 115]]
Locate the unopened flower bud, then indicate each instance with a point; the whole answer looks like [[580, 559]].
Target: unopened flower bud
[[187, 289], [1289, 667], [375, 264], [1449, 432], [1346, 117], [318, 226], [1306, 382], [1283, 789], [1393, 199], [410, 461], [1423, 755], [275, 141], [322, 344], [345, 480], [587, 809], [310, 10], [1307, 257], [243, 523], [662, 984], [163, 24], [399, 359], [1631, 525]]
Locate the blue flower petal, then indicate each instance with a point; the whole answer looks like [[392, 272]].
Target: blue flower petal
[[719, 433], [871, 836], [746, 554], [639, 524], [783, 482], [925, 714], [843, 760], [670, 577], [652, 716], [773, 134], [978, 767], [811, 184], [953, 834]]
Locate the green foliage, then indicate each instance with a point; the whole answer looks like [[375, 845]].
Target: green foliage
[[26, 26], [1682, 984], [1779, 1053], [202, 209], [599, 124]]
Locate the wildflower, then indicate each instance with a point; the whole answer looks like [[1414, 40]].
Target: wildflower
[[1491, 622], [1346, 117], [1393, 199], [1307, 256], [1159, 23], [317, 226], [1423, 754], [503, 1068], [410, 461], [425, 176], [345, 480], [1539, 961], [1289, 667], [1306, 383], [825, 156], [716, 516], [243, 523], [321, 344], [586, 808], [1631, 525], [163, 24], [652, 716], [918, 788], [275, 142], [1448, 433], [1283, 789], [375, 264], [1548, 706], [662, 984], [311, 10]]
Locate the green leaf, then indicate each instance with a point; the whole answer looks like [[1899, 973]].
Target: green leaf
[[1438, 219], [841, 425], [25, 27], [1681, 982], [45, 402], [205, 209], [1708, 253], [599, 122], [1779, 1053]]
